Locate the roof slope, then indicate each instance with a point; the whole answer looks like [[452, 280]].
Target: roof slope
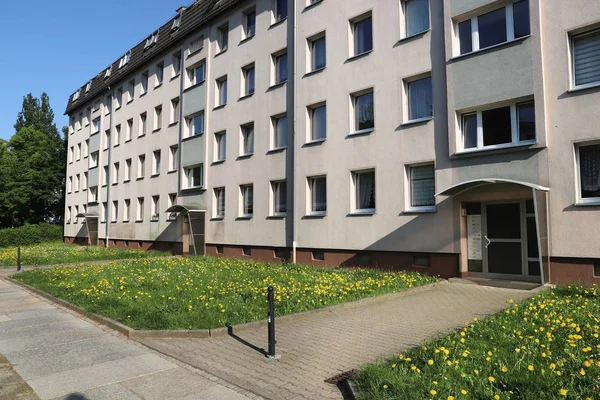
[[192, 18]]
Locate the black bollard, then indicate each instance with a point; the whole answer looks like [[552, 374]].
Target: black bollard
[[271, 320], [18, 258]]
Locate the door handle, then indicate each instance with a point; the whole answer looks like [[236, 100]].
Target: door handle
[[488, 242]]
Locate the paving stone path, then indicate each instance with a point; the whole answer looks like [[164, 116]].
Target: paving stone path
[[62, 356], [323, 345]]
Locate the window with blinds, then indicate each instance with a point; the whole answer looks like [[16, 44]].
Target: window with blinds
[[422, 187], [586, 58]]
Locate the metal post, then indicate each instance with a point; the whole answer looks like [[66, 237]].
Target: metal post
[[271, 300], [18, 258]]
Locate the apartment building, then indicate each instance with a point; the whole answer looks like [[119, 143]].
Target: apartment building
[[457, 138]]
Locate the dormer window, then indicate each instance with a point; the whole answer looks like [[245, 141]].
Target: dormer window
[[152, 40], [125, 59], [176, 23], [76, 95], [88, 86], [107, 73]]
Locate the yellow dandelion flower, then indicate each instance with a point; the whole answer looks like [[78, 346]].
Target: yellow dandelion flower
[[582, 371], [504, 369], [430, 362], [433, 392], [530, 368], [563, 392], [463, 391], [491, 379]]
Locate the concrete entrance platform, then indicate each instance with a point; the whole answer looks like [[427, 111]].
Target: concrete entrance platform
[[517, 285]]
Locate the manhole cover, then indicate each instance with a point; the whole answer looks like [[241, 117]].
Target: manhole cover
[[334, 380]]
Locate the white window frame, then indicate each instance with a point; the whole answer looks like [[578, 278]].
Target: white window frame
[[246, 33], [93, 194], [94, 159], [355, 192], [70, 184], [354, 117], [156, 160], [131, 91], [192, 75], [275, 72], [115, 211], [274, 199], [244, 137], [84, 181], [404, 20], [175, 110], [129, 130], [221, 92], [222, 38], [480, 140], [159, 74], [127, 177], [406, 98], [408, 185], [243, 193], [158, 113], [173, 158], [310, 60], [189, 177], [115, 174], [126, 210], [246, 81], [172, 200], [220, 153], [76, 183], [275, 120], [96, 124], [177, 63], [141, 166], [86, 148], [219, 192], [572, 38], [105, 175], [144, 83], [155, 208], [579, 199], [139, 212], [311, 122], [191, 125], [353, 50], [143, 127], [310, 196]]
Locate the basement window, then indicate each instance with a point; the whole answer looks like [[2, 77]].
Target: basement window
[[597, 270], [422, 261]]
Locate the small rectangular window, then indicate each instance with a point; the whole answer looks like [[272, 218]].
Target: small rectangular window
[[117, 138], [597, 270], [115, 174], [318, 255], [219, 249], [246, 251], [157, 117], [222, 38], [144, 83], [221, 91], [422, 187], [279, 132], [156, 162], [140, 209], [129, 130], [94, 159], [131, 91], [106, 140], [174, 111], [250, 23], [421, 261], [279, 197], [219, 203], [173, 158], [280, 63], [416, 16], [248, 75], [364, 112], [96, 126], [247, 139], [155, 207], [104, 211], [220, 146], [282, 254], [115, 211], [588, 159], [362, 31], [247, 200], [127, 170], [176, 64], [318, 122], [196, 45], [420, 99], [318, 195], [141, 166], [143, 123], [195, 125], [160, 73], [281, 10], [521, 18], [586, 58], [126, 210], [93, 194], [318, 53], [194, 177], [364, 189], [84, 181]]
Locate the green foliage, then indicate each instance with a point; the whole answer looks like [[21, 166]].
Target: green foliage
[[544, 348], [204, 292], [30, 234]]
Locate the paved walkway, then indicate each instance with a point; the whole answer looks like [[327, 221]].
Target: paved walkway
[[323, 345], [62, 356]]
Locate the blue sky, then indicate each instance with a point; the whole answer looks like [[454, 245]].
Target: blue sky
[[55, 46]]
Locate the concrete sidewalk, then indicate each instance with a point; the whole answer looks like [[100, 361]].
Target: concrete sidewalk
[[60, 356], [318, 347]]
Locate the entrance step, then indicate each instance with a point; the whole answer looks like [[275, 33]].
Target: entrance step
[[518, 285]]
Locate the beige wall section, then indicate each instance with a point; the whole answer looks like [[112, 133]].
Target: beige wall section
[[263, 166], [572, 117]]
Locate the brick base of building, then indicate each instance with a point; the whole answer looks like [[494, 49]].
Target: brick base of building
[[175, 248], [567, 270], [442, 265]]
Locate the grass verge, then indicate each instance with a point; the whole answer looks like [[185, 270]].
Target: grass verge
[[203, 292], [61, 253], [545, 348]]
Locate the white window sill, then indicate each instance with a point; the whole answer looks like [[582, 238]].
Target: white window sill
[[417, 121], [580, 88], [193, 188], [474, 52], [316, 214], [594, 202], [361, 213], [244, 217], [218, 218], [315, 142], [421, 210], [497, 147], [362, 132]]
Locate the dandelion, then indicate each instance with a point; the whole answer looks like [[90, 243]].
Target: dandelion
[[430, 362], [491, 379], [530, 368], [563, 392], [433, 392]]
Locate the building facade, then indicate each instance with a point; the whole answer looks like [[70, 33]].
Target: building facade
[[457, 138]]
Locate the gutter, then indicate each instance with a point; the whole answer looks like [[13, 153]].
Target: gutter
[[108, 177], [291, 234]]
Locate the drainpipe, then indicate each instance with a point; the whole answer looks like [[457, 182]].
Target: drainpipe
[[291, 233], [108, 178]]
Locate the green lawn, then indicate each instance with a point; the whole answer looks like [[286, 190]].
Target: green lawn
[[545, 348], [202, 292], [60, 253]]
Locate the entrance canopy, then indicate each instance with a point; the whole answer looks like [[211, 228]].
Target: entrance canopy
[[186, 209], [468, 185], [86, 215]]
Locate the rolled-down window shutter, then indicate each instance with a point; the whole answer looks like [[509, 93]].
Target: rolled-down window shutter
[[586, 55]]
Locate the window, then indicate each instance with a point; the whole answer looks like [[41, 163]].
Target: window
[[196, 45], [176, 64], [131, 91], [77, 183], [222, 38], [141, 166], [93, 194], [78, 152], [247, 251], [115, 211], [117, 138], [220, 146], [70, 184], [143, 119], [505, 126], [155, 208], [157, 117], [280, 64], [86, 148], [248, 76], [221, 91], [172, 202], [197, 74], [194, 177], [219, 249], [173, 158], [84, 181], [144, 83], [115, 174], [151, 40], [279, 132], [126, 210], [219, 210], [247, 203], [362, 32], [318, 122], [129, 130], [105, 175], [318, 255], [586, 59], [247, 139], [420, 99], [160, 73], [127, 170], [422, 261], [94, 159], [495, 27], [279, 198], [71, 151], [174, 111], [195, 125], [318, 52], [416, 17], [422, 187], [88, 116], [96, 126], [106, 140], [364, 112], [124, 60], [281, 11], [588, 171], [104, 211], [76, 214], [317, 187], [119, 97], [107, 105], [249, 23], [176, 22], [156, 162], [140, 209], [68, 217], [364, 190]]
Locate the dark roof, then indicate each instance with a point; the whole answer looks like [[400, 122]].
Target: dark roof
[[192, 18]]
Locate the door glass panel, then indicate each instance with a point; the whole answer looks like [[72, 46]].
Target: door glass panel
[[504, 258], [532, 244], [534, 268], [504, 221]]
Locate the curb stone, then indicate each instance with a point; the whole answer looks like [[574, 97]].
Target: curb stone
[[136, 334]]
